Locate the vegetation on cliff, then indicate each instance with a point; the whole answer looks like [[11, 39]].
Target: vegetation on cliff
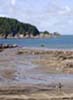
[[47, 34], [12, 27]]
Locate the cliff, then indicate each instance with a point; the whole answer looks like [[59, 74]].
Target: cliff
[[13, 28]]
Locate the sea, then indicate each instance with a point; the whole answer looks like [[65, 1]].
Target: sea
[[62, 42]]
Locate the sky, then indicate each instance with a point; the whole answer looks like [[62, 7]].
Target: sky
[[49, 15]]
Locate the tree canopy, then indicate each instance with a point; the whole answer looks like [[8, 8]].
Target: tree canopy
[[9, 26]]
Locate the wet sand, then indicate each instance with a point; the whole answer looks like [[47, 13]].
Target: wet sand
[[35, 74]]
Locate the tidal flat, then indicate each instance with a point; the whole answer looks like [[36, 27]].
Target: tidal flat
[[36, 74]]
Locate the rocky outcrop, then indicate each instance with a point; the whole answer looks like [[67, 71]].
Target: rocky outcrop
[[13, 28], [4, 46]]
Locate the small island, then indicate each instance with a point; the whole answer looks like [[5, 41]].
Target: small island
[[12, 28]]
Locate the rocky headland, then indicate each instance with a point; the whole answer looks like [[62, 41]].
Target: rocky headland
[[12, 28]]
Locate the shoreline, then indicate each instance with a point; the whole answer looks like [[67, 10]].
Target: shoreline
[[45, 48], [17, 62]]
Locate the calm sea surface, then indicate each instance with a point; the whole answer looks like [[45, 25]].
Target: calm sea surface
[[25, 68], [63, 42]]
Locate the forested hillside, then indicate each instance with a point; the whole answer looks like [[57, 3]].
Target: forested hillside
[[13, 27]]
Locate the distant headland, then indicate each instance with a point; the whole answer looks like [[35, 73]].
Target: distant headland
[[12, 28]]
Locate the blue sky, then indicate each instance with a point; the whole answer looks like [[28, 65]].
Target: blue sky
[[51, 15]]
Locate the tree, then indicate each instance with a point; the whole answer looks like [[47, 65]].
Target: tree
[[13, 26], [46, 32]]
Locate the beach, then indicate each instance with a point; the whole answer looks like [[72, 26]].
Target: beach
[[36, 74], [36, 50]]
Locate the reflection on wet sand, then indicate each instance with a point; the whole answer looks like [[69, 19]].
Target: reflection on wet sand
[[36, 72]]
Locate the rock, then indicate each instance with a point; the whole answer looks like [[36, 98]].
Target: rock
[[4, 46], [20, 52]]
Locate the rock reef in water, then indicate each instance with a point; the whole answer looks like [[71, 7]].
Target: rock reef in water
[[52, 61], [4, 46]]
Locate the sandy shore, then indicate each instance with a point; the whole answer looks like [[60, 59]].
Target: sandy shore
[[35, 74], [52, 60]]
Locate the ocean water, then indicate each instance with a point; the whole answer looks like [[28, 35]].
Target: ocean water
[[62, 42], [25, 68]]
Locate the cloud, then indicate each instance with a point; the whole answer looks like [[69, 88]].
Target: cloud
[[52, 15], [67, 8], [65, 11], [13, 2], [70, 22]]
